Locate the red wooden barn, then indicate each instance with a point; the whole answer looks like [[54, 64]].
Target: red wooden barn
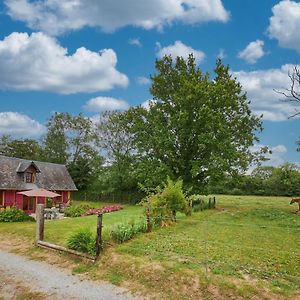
[[20, 175]]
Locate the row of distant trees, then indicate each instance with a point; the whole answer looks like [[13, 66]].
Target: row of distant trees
[[277, 181], [197, 128]]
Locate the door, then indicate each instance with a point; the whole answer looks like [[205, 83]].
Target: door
[[29, 204]]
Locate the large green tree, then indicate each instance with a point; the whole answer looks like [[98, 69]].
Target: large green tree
[[21, 148], [198, 128], [71, 140], [117, 146], [55, 142]]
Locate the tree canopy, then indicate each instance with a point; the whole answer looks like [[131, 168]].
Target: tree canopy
[[197, 127]]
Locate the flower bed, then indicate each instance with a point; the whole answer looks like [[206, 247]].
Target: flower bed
[[103, 210]]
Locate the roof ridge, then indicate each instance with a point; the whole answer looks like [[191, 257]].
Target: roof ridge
[[31, 160]]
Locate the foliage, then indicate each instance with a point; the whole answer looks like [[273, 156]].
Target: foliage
[[49, 203], [21, 148], [117, 143], [14, 215], [83, 241], [278, 181], [76, 211], [55, 142], [124, 232], [167, 201], [197, 128], [71, 140]]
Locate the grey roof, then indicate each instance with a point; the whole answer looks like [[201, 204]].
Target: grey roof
[[49, 176], [24, 165]]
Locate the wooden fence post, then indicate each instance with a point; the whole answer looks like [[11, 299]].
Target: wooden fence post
[[214, 203], [149, 225], [40, 221], [99, 235]]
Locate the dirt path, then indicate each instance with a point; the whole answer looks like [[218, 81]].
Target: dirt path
[[51, 282]]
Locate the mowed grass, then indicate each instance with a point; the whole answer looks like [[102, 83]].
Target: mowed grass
[[245, 237], [58, 231], [248, 246]]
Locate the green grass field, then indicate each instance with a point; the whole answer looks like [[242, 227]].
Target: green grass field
[[58, 231], [248, 246]]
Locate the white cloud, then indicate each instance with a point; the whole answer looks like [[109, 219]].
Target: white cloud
[[20, 125], [56, 16], [100, 104], [285, 23], [260, 87], [135, 42], [143, 80], [253, 52], [275, 158], [37, 62], [179, 49], [221, 54], [146, 104]]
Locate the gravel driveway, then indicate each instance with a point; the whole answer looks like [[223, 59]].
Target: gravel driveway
[[54, 282]]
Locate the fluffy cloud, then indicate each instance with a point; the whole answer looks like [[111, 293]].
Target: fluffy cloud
[[56, 16], [260, 86], [252, 52], [100, 104], [276, 158], [146, 104], [179, 49], [37, 62], [285, 23], [20, 125]]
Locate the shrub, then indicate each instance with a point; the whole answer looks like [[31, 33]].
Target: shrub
[[49, 203], [14, 215], [83, 241], [76, 211], [124, 232], [166, 202]]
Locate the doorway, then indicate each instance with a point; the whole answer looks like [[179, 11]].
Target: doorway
[[29, 204]]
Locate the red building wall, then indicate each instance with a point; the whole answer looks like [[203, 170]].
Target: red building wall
[[19, 201], [9, 198], [65, 197]]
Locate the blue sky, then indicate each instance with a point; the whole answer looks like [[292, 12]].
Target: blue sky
[[88, 56]]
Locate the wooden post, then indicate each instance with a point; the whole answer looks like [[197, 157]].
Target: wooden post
[[40, 221], [99, 235], [149, 225], [214, 202]]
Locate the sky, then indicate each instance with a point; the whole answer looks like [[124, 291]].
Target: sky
[[88, 56]]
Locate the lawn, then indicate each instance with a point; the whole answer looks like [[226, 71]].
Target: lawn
[[58, 231], [248, 246]]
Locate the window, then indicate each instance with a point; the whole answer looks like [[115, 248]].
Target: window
[[29, 177]]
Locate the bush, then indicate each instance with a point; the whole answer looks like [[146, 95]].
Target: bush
[[49, 203], [124, 232], [76, 211], [166, 202], [83, 241], [14, 215]]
